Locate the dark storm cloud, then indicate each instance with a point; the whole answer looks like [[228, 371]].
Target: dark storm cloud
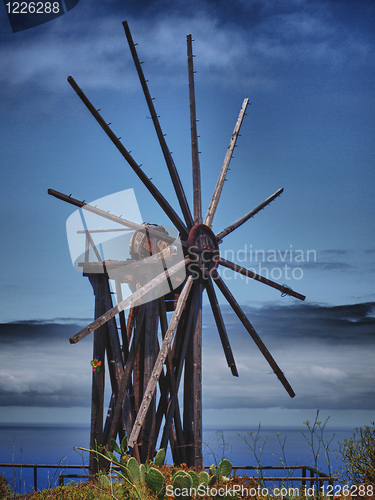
[[39, 367], [361, 400], [343, 325], [40, 331], [325, 353], [311, 343], [89, 42]]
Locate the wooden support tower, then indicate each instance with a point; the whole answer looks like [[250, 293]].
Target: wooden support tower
[[150, 341]]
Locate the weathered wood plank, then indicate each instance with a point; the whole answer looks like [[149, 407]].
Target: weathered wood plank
[[193, 386], [168, 210], [126, 377], [97, 397], [129, 301], [151, 387], [197, 197], [220, 182], [246, 217], [167, 154], [242, 317], [250, 274], [221, 327]]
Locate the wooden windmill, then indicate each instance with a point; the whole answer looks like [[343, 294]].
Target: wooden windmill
[[143, 350]]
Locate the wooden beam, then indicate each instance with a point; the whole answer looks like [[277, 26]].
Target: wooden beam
[[107, 215], [125, 379], [221, 327], [246, 323], [169, 211], [250, 274], [170, 408], [150, 356], [97, 398], [192, 418], [248, 216], [129, 301], [220, 182], [167, 154], [151, 387], [194, 138]]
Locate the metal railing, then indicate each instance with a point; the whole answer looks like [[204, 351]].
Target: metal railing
[[315, 476], [46, 466]]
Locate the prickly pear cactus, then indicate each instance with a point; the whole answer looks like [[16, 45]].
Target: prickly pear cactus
[[212, 480], [204, 477], [194, 479], [133, 468], [224, 468], [212, 470], [142, 472], [155, 480], [159, 457], [182, 484]]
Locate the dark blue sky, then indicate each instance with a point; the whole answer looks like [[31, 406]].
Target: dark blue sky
[[307, 68]]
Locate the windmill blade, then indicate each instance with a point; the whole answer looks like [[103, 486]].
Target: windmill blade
[[194, 138], [250, 274], [107, 215], [164, 350], [166, 152], [134, 165], [241, 315], [220, 182], [221, 327], [129, 301], [248, 216]]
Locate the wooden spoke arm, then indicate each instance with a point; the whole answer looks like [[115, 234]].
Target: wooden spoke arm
[[221, 327], [242, 317], [248, 216], [194, 137], [134, 165], [107, 215], [220, 182], [167, 154], [250, 274]]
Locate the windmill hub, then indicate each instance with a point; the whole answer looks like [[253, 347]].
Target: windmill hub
[[203, 249]]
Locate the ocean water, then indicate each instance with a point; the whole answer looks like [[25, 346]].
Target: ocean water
[[55, 445]]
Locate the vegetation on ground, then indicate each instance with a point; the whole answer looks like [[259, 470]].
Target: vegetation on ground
[[121, 477], [358, 456]]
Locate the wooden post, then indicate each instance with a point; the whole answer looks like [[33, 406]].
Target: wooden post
[[158, 366], [193, 385], [150, 354], [97, 400]]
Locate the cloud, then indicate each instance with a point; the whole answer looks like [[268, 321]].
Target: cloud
[[325, 352], [38, 366], [91, 46], [326, 372]]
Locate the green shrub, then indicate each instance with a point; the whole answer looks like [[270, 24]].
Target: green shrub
[[5, 489], [358, 456]]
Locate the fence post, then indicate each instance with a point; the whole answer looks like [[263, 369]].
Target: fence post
[[35, 478], [312, 471], [303, 475]]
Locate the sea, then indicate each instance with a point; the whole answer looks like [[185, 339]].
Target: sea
[[55, 445]]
